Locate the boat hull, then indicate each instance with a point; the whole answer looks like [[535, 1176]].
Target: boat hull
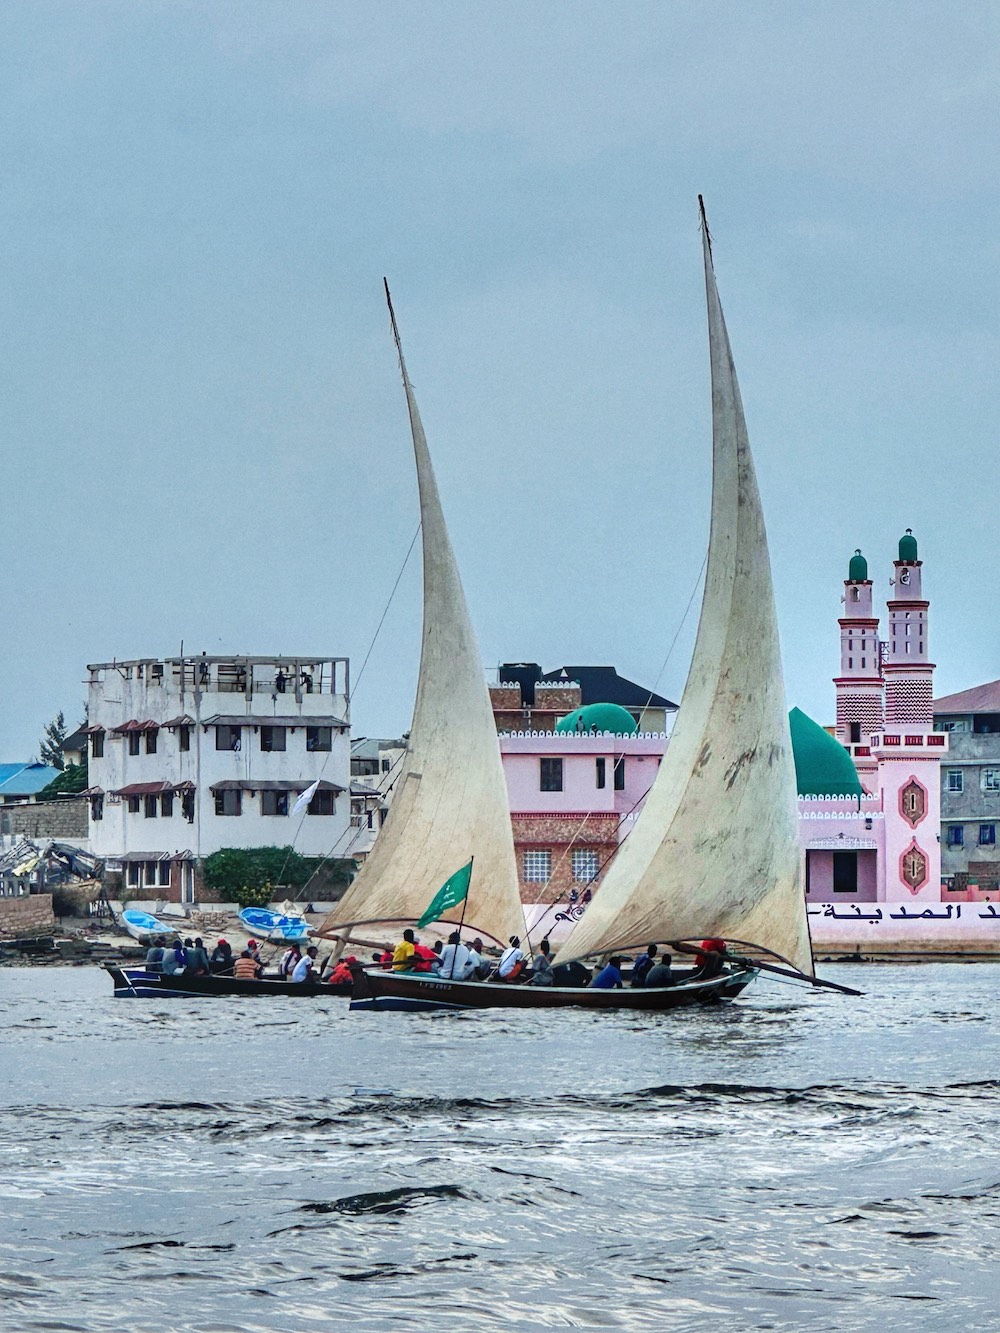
[[138, 983], [411, 992], [144, 927]]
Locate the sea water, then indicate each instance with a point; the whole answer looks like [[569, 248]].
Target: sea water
[[797, 1160]]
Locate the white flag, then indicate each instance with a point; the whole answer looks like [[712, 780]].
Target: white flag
[[305, 797]]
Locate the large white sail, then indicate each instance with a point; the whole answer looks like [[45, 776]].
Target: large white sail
[[714, 851], [450, 799]]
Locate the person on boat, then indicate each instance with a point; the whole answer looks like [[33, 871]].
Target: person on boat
[[709, 961], [290, 960], [154, 956], [384, 959], [642, 965], [424, 959], [609, 977], [660, 974], [341, 974], [402, 955], [479, 969], [222, 957], [174, 958], [511, 963], [456, 959], [254, 948], [571, 974], [197, 959], [246, 967], [304, 967], [541, 967]]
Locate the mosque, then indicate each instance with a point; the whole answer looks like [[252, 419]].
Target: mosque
[[869, 788]]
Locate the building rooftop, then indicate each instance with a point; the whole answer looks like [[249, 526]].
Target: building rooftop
[[25, 779], [980, 699]]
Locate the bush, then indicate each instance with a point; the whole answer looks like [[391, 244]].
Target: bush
[[247, 896], [237, 872]]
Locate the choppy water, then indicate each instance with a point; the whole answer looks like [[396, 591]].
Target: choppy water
[[796, 1161]]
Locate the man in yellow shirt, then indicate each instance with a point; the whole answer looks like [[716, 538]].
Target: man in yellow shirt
[[403, 953]]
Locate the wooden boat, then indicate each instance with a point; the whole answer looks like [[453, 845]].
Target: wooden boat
[[268, 925], [143, 926], [715, 850], [140, 983]]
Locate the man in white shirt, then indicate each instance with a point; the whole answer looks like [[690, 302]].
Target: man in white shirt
[[304, 967], [456, 960], [510, 959], [478, 970]]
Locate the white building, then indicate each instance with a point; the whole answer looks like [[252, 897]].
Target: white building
[[188, 755], [375, 766]]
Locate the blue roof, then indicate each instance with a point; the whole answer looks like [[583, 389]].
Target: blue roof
[[25, 779]]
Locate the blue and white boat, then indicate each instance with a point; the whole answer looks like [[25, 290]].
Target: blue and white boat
[[142, 926], [268, 925]]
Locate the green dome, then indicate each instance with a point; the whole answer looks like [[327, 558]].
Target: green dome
[[858, 571], [822, 765], [599, 717], [908, 546]]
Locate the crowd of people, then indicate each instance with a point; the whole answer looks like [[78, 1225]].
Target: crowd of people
[[454, 961]]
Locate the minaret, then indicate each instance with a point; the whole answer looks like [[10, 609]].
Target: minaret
[[859, 685], [909, 751]]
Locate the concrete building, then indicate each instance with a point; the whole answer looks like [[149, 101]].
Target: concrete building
[[529, 700], [970, 787], [188, 755], [375, 765]]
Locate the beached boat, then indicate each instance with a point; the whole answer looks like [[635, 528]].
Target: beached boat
[[278, 926], [144, 927], [714, 852]]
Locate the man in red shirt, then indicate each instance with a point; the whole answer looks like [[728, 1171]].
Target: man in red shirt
[[424, 957]]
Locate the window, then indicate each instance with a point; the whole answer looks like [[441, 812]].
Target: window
[[167, 804], [229, 802], [321, 803], [97, 745], [550, 774], [991, 779], [164, 874], [151, 741], [987, 835], [319, 738], [151, 868], [132, 875], [228, 738], [151, 807], [272, 739], [97, 807], [956, 835], [537, 867], [585, 865], [620, 773], [274, 803], [855, 733], [134, 740], [184, 738], [956, 779], [601, 771], [386, 765], [187, 806], [133, 805]]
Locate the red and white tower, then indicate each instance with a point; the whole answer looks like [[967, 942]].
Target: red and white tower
[[859, 685], [908, 749]]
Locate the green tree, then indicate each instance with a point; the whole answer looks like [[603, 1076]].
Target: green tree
[[50, 746], [240, 873], [70, 782]]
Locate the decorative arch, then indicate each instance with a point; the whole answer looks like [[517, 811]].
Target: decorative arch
[[913, 802], [913, 867]]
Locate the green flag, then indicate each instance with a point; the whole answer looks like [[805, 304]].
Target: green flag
[[449, 895]]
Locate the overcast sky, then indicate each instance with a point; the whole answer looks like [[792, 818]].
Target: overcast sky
[[204, 433]]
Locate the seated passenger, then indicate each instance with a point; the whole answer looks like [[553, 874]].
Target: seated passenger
[[246, 969], [642, 965], [222, 957], [541, 967], [290, 959], [456, 960], [609, 977], [304, 967], [174, 959], [154, 957], [402, 955], [424, 959], [478, 969], [571, 974], [709, 961], [384, 958], [511, 963], [660, 974], [341, 974], [197, 960]]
